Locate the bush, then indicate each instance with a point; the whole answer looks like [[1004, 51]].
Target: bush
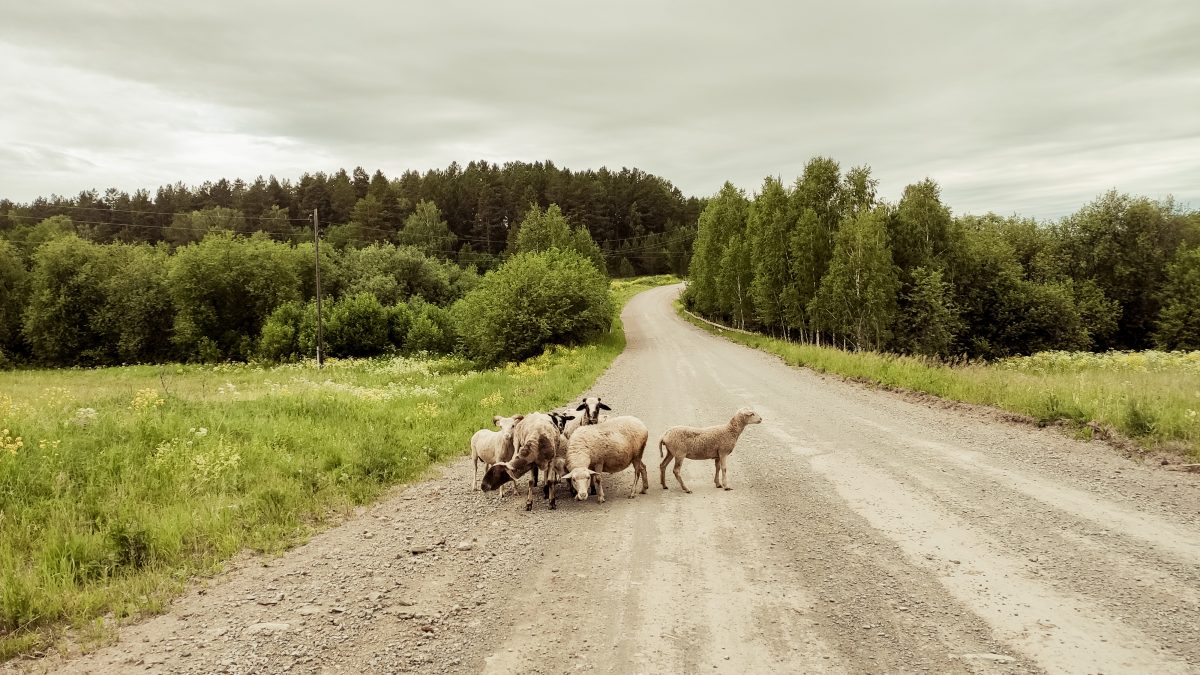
[[532, 300], [430, 330], [66, 299], [357, 326], [280, 340]]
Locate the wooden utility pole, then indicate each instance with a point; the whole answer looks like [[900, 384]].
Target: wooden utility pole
[[317, 253]]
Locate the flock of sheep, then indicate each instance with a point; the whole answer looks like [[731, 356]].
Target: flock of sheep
[[578, 450]]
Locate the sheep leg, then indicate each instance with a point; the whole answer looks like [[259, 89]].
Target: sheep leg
[[529, 497], [475, 479], [725, 472], [717, 471], [553, 495], [679, 476], [599, 488], [662, 469], [639, 468]]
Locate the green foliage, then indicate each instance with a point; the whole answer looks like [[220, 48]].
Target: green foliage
[[431, 329], [857, 298], [929, 319], [533, 300], [1179, 321], [194, 226], [138, 310], [395, 273], [770, 229], [625, 269], [919, 230], [14, 289], [428, 232], [723, 218], [584, 245], [542, 230], [62, 322], [280, 339], [358, 325], [224, 288]]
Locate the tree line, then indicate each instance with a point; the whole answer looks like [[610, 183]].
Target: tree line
[[71, 301], [824, 260], [643, 224]]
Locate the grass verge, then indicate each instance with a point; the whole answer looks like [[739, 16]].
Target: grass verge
[[1150, 397], [119, 484]]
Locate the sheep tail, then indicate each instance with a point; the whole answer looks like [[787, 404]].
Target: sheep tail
[[661, 445]]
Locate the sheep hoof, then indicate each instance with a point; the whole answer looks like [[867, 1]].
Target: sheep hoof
[[528, 506], [600, 499], [553, 506], [687, 491], [728, 489]]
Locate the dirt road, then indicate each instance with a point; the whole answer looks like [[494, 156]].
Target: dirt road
[[864, 533]]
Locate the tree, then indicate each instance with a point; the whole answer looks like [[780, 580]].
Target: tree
[[929, 320], [1179, 322], [770, 233], [193, 226], [542, 230], [426, 230], [584, 245], [920, 228], [137, 308], [533, 300], [66, 299], [723, 217], [814, 208], [857, 297], [13, 293]]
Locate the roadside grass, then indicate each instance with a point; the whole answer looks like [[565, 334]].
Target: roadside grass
[[1150, 397], [119, 484]]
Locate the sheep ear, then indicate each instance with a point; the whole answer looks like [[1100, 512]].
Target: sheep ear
[[518, 418], [581, 406], [496, 420], [512, 476], [603, 407], [568, 418], [592, 473]]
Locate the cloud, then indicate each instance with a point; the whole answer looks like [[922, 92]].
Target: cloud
[[1014, 107]]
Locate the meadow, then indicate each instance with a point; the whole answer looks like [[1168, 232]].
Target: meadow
[[1150, 397], [117, 485]]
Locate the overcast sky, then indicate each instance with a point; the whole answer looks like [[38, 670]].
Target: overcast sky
[[1014, 107]]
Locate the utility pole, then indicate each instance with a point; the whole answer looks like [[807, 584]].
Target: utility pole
[[317, 253]]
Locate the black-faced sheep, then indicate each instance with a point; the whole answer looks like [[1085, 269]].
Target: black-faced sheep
[[715, 443], [607, 447]]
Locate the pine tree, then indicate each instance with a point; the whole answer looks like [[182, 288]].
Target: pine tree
[[426, 230]]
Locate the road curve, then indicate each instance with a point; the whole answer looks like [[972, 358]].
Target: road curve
[[865, 533]]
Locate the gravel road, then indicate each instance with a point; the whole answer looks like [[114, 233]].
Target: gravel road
[[866, 532]]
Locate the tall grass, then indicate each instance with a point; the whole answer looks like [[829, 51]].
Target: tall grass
[[1151, 397], [118, 484]]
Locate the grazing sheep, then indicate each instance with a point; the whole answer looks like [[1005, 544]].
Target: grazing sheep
[[493, 447], [537, 442], [715, 443], [607, 447]]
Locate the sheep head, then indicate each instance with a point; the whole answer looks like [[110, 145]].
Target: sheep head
[[497, 475], [560, 420], [591, 407], [746, 416], [580, 479]]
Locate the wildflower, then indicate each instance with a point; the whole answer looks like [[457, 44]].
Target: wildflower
[[146, 398], [84, 417], [10, 443]]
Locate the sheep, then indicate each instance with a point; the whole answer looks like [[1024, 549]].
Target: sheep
[[591, 407], [715, 443], [538, 442], [607, 447], [561, 419], [493, 447]]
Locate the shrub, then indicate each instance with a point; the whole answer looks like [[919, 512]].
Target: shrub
[[532, 300], [280, 340], [430, 330], [357, 325]]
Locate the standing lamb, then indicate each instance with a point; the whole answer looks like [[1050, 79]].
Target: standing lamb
[[607, 447], [493, 447], [715, 443]]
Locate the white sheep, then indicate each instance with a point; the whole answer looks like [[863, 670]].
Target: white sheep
[[493, 447], [537, 441], [607, 447], [715, 443]]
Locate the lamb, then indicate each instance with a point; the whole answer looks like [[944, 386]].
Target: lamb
[[715, 443], [537, 441], [493, 447], [561, 419], [607, 447]]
